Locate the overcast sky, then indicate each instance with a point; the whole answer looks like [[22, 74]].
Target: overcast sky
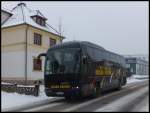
[[121, 27]]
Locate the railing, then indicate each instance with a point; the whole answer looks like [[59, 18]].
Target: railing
[[27, 90]]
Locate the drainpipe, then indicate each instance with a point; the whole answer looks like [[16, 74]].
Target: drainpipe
[[26, 54]]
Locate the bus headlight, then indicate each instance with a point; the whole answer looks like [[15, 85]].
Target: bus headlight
[[77, 87]]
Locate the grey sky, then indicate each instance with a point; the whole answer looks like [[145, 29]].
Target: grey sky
[[121, 27]]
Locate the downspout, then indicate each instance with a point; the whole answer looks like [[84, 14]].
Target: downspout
[[26, 54], [26, 49]]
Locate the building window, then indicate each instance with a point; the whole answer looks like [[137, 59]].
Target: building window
[[37, 39], [43, 23], [37, 64], [40, 21], [52, 42]]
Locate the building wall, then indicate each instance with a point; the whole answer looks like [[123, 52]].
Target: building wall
[[32, 74], [13, 65], [34, 50], [45, 37], [14, 51], [13, 36], [13, 55], [137, 66], [141, 69]]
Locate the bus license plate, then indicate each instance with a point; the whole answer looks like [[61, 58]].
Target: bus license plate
[[59, 93]]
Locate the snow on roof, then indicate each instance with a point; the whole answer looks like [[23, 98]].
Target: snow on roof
[[6, 10], [38, 13], [22, 15]]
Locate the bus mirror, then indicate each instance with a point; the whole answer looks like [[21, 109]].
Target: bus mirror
[[84, 59], [40, 55]]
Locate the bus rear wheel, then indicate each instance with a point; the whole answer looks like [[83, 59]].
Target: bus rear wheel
[[68, 97], [97, 90], [119, 85], [72, 97]]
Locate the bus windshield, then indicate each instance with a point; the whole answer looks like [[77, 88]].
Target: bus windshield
[[63, 61]]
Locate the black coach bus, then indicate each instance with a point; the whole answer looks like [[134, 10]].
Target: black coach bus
[[82, 69]]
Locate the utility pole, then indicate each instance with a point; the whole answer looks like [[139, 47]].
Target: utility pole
[[60, 27]]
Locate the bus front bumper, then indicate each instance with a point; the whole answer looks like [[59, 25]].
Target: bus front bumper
[[62, 92]]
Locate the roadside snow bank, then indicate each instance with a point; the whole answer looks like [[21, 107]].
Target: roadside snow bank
[[14, 99], [137, 78], [141, 76]]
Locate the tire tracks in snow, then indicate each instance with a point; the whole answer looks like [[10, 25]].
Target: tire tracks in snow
[[104, 100], [57, 104]]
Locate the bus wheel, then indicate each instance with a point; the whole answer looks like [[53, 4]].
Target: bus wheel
[[68, 97], [97, 91], [119, 85]]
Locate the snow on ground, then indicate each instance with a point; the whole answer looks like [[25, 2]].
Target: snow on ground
[[124, 101], [10, 100], [137, 78]]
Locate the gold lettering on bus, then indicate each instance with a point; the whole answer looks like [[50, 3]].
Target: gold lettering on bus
[[102, 70], [60, 86]]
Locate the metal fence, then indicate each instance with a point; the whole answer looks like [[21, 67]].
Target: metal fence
[[27, 90]]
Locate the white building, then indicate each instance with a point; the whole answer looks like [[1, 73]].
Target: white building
[[25, 34]]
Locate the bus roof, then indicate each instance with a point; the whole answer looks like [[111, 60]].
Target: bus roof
[[76, 44]]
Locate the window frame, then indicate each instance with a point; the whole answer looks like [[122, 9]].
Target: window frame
[[36, 40], [37, 67], [40, 21], [52, 42]]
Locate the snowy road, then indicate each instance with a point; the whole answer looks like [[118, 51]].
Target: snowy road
[[132, 97]]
